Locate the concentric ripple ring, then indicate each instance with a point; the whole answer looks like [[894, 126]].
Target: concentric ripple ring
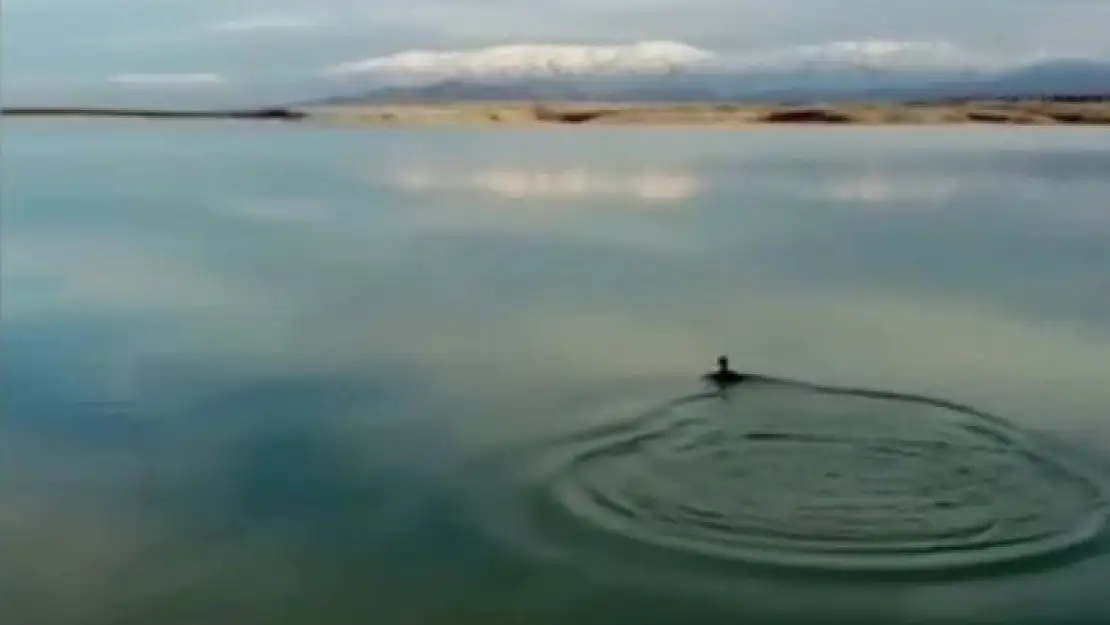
[[799, 475]]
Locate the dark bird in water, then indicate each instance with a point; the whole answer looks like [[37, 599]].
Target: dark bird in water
[[724, 377]]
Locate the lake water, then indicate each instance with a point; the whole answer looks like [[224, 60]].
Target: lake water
[[262, 374]]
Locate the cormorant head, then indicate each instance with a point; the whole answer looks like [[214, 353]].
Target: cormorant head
[[722, 362]]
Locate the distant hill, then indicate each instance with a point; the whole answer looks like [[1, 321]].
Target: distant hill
[[1070, 77], [824, 83]]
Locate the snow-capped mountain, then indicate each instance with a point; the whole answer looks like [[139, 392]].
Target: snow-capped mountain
[[671, 71], [532, 60]]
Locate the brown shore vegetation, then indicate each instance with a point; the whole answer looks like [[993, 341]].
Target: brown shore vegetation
[[1037, 113]]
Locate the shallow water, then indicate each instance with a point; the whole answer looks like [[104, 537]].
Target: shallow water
[[263, 374]]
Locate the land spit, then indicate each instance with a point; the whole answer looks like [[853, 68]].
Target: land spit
[[717, 115]]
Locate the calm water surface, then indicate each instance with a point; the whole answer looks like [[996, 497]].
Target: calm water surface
[[269, 375]]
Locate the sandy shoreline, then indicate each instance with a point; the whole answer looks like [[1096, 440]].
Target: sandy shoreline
[[710, 115], [714, 115]]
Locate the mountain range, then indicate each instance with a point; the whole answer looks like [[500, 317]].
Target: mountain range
[[798, 83]]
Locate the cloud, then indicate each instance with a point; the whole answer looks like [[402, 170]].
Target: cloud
[[532, 59], [226, 30], [264, 23], [877, 52], [197, 79]]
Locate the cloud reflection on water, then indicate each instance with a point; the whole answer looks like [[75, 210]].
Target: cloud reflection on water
[[277, 209], [655, 188], [878, 187]]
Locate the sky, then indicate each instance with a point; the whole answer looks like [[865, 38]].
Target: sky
[[95, 51]]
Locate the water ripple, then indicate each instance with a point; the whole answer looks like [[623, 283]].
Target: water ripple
[[822, 478]]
